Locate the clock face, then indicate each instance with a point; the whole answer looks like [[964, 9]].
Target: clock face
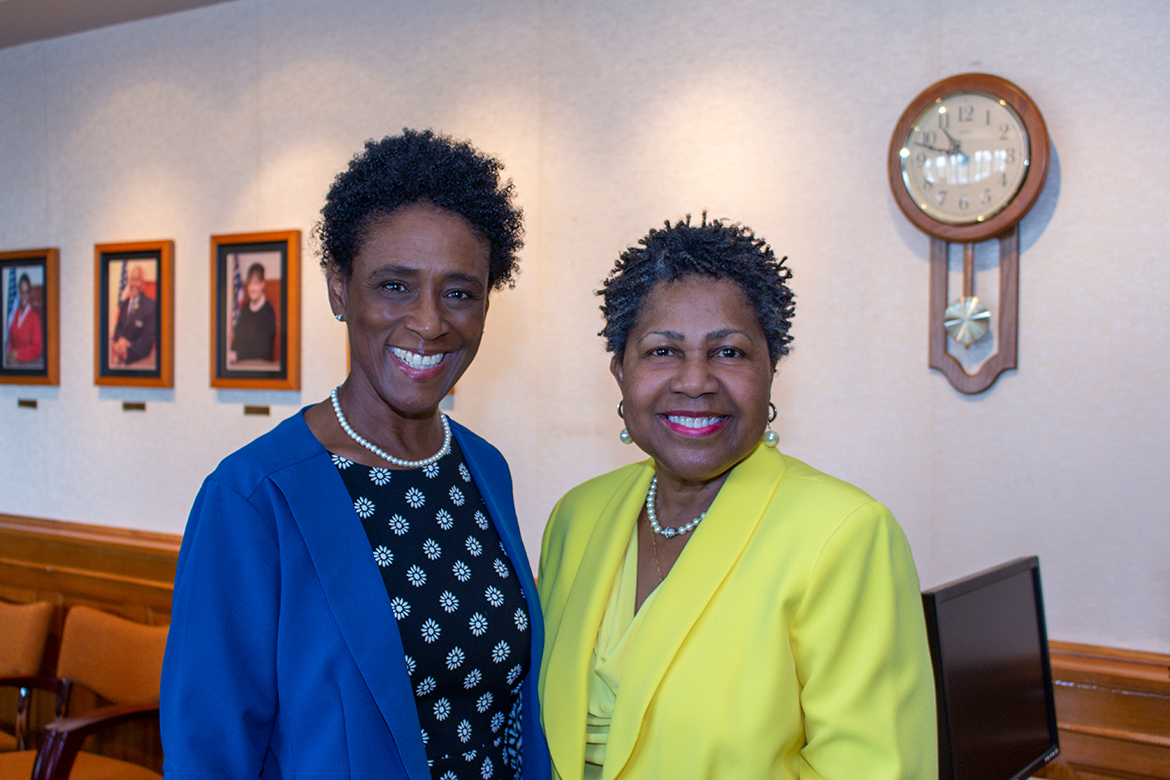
[[965, 158]]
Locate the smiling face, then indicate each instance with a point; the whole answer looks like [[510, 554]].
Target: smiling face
[[415, 303], [695, 378], [255, 288], [134, 281]]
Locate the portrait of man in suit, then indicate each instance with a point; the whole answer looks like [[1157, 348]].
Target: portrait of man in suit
[[132, 344]]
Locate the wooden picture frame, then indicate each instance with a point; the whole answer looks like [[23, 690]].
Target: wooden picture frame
[[29, 318], [134, 314], [256, 310]]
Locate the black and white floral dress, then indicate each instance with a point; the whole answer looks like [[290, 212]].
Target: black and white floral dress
[[460, 609]]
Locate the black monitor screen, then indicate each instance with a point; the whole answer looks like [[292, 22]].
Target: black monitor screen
[[989, 645]]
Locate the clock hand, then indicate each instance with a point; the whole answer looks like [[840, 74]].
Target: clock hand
[[932, 148], [955, 146]]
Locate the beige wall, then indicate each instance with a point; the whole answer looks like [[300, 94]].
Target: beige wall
[[612, 116]]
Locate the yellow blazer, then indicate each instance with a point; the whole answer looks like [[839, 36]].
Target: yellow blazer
[[787, 642]]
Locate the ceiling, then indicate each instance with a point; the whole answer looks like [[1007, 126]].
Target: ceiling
[[22, 21]]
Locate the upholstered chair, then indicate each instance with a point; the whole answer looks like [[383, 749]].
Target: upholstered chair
[[23, 630], [119, 661]]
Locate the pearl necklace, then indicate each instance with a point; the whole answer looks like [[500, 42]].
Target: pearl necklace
[[386, 456], [653, 516]]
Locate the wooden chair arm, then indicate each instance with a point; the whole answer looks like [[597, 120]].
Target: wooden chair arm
[[51, 684], [63, 738], [24, 682]]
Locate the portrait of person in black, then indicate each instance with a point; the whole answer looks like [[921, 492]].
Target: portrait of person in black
[[134, 332], [255, 329]]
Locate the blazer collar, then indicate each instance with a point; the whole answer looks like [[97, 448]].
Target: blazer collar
[[683, 597], [321, 507], [492, 478], [567, 667]]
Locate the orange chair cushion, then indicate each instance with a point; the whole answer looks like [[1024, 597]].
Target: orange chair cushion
[[23, 628], [88, 766], [119, 659], [17, 766]]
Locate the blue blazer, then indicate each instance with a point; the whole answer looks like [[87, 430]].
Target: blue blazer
[[283, 655]]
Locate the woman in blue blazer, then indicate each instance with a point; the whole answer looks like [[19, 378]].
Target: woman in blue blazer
[[352, 597]]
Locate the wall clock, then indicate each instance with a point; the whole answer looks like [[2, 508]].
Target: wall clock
[[967, 160]]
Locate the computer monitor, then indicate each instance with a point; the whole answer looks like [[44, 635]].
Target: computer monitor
[[993, 681]]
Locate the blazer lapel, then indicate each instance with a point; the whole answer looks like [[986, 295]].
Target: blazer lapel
[[705, 562], [495, 487], [566, 676], [322, 509]]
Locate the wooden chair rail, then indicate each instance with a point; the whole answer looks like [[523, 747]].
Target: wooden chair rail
[[1113, 711], [125, 572]]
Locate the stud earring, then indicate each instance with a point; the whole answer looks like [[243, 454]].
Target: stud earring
[[339, 317], [771, 438]]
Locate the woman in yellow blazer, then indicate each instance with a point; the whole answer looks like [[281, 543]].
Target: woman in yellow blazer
[[722, 610]]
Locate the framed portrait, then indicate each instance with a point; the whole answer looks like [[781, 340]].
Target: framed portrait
[[134, 314], [256, 310], [28, 313]]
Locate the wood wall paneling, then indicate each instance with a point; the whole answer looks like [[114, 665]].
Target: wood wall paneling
[[125, 572], [129, 573], [1113, 707]]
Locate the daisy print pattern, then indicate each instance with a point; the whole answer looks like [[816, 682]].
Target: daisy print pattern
[[473, 546], [341, 463], [415, 498], [442, 709], [455, 658], [448, 601], [431, 630], [462, 618]]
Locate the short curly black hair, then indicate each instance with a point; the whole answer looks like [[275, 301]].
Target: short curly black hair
[[422, 167], [718, 249]]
